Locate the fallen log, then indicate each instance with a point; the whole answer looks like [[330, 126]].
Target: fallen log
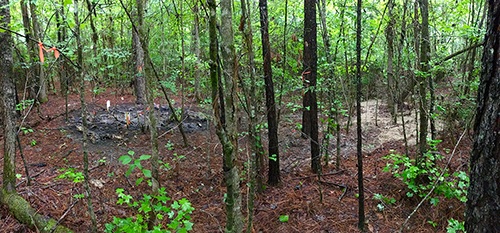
[[24, 213]]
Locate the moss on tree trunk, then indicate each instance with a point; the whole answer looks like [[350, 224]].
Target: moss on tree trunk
[[23, 212]]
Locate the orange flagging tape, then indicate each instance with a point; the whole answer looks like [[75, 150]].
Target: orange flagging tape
[[40, 47]]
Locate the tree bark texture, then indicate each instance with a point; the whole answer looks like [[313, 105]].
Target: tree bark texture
[[140, 80], [274, 159], [422, 79], [8, 102], [228, 135], [252, 105], [309, 74], [483, 196], [361, 197]]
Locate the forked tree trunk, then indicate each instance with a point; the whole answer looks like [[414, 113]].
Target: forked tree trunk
[[483, 195]]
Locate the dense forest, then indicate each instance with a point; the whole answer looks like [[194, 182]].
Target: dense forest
[[255, 116]]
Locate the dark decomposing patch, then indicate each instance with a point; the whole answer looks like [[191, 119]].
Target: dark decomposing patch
[[117, 121]]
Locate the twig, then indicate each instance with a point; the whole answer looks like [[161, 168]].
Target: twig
[[96, 166], [326, 174], [28, 178], [459, 52], [435, 184], [341, 196], [63, 216], [220, 228], [331, 183], [130, 183], [33, 176], [34, 224], [66, 155]]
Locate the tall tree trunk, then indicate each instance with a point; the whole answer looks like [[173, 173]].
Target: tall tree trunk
[[39, 92], [483, 195], [183, 76], [88, 193], [148, 76], [19, 207], [228, 135], [391, 81], [361, 197], [95, 37], [9, 115], [213, 53], [196, 41], [30, 45], [329, 81], [423, 78], [252, 104], [310, 72], [274, 159], [140, 80]]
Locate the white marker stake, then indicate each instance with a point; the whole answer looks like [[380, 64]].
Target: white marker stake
[[108, 104]]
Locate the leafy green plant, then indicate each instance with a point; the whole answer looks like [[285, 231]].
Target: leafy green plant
[[33, 142], [24, 104], [383, 200], [178, 213], [25, 130], [402, 166], [103, 160], [455, 226], [71, 175], [126, 159], [98, 90]]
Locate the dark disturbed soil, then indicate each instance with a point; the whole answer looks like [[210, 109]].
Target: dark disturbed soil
[[55, 144]]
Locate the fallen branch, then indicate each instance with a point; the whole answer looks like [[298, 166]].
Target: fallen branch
[[459, 52], [335, 184], [31, 177], [66, 155], [63, 216], [311, 176]]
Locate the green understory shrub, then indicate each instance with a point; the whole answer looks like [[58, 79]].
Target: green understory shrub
[[451, 186], [178, 213]]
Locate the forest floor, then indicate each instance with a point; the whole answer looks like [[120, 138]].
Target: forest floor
[[55, 144]]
